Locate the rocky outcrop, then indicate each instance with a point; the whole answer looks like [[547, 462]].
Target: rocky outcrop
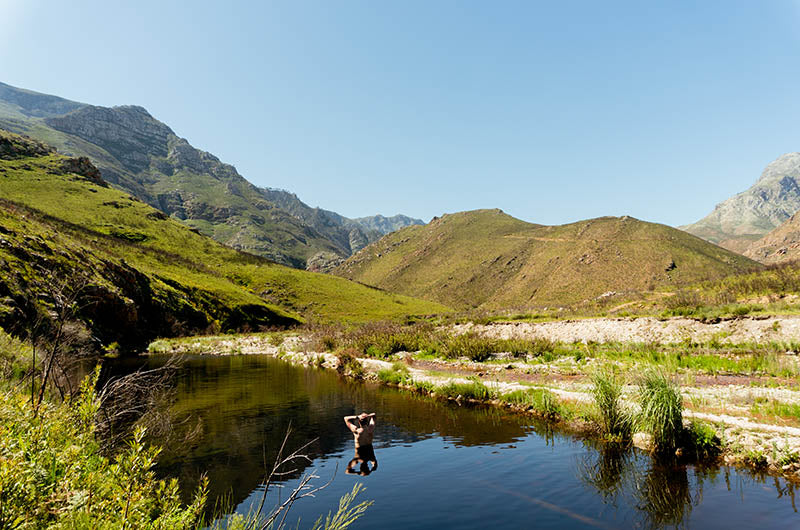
[[357, 240], [386, 225], [83, 166], [129, 133], [14, 146], [779, 246], [736, 222], [324, 262]]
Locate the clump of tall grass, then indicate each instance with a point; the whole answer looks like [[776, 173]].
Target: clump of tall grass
[[607, 394], [471, 390], [423, 387], [540, 400], [398, 374], [661, 410]]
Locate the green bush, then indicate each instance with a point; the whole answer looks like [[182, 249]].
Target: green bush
[[349, 364], [756, 458], [703, 441], [470, 345], [53, 473]]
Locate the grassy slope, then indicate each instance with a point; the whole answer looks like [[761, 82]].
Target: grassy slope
[[103, 221], [244, 219], [489, 259]]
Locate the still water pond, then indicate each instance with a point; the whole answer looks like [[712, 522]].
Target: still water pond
[[439, 465]]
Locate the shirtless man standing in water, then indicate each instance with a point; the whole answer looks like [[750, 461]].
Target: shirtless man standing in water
[[363, 429]]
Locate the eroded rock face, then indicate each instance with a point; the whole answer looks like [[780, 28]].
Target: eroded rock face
[[749, 215], [129, 133], [357, 240]]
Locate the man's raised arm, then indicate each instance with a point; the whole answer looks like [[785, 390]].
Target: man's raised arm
[[348, 420]]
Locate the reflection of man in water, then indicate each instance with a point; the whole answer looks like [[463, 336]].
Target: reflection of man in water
[[363, 429]]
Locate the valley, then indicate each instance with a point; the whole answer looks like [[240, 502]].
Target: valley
[[123, 249]]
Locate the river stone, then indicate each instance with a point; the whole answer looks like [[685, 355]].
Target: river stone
[[643, 441]]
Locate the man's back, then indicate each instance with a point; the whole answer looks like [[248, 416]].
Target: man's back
[[362, 427]]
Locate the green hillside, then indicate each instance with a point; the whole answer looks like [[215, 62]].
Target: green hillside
[[149, 275], [138, 154], [485, 258]]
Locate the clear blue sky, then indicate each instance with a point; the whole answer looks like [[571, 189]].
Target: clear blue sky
[[552, 111]]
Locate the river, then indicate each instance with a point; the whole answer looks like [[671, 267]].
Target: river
[[440, 465]]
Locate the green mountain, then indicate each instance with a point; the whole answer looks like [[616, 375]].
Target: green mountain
[[144, 157], [739, 221], [485, 258], [146, 274]]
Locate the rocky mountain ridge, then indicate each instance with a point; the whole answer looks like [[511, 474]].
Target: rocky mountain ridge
[[747, 216], [143, 156]]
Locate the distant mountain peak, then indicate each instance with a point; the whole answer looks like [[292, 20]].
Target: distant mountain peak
[[738, 221], [785, 165]]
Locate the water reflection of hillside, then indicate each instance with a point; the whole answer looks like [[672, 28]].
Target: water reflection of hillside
[[232, 414]]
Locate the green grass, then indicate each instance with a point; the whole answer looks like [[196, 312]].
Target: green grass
[[65, 220], [607, 394], [540, 400], [398, 374], [710, 358], [472, 390], [776, 409]]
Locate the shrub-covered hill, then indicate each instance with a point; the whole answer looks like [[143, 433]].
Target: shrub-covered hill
[[485, 258], [144, 274]]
